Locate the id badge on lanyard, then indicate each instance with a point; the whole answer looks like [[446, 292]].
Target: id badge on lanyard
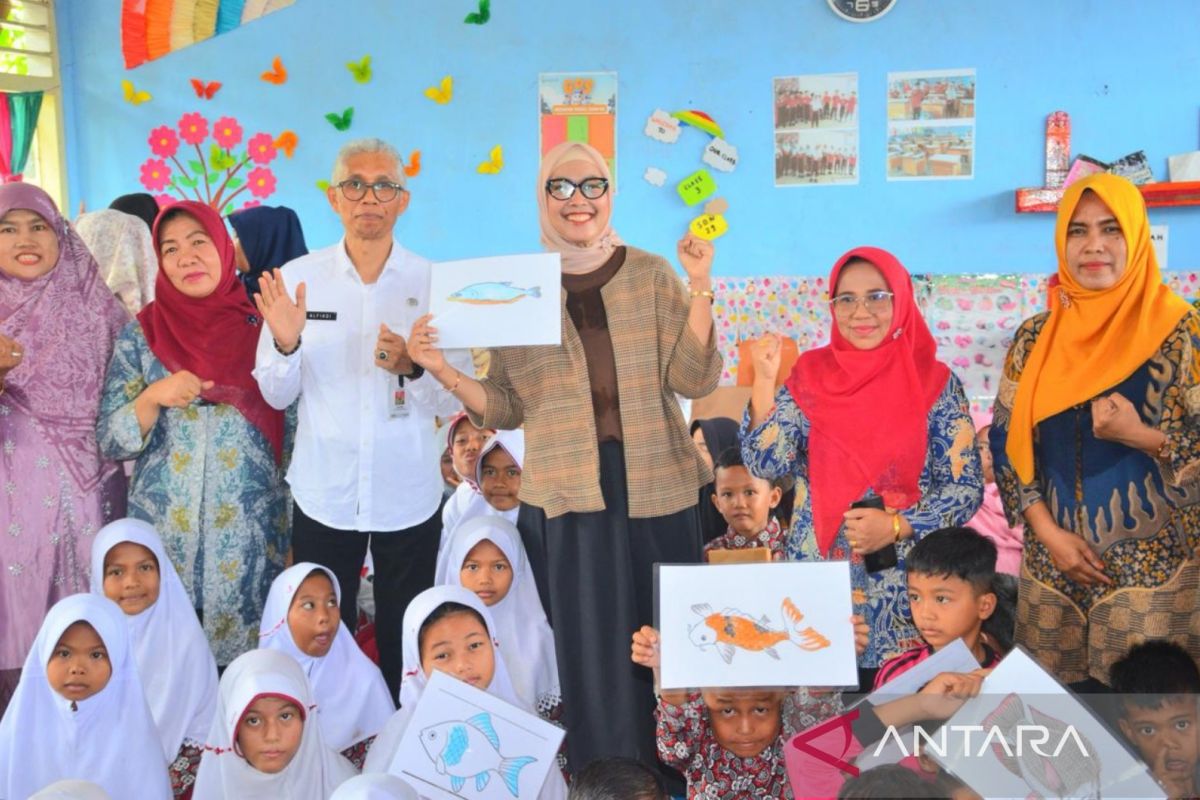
[[398, 407]]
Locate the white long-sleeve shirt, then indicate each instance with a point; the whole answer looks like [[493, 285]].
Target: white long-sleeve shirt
[[356, 465]]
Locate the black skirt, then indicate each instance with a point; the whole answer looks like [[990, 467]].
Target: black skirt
[[595, 575]]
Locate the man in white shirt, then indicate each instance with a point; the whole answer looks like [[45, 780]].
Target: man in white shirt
[[365, 467]]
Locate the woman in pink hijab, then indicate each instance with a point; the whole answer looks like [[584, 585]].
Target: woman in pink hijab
[[611, 476], [57, 325]]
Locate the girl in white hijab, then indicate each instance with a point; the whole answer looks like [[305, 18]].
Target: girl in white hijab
[[301, 619], [428, 606], [79, 710], [123, 248], [517, 610], [311, 772], [177, 668]]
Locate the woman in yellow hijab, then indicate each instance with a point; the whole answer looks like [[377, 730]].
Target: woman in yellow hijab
[[1096, 444]]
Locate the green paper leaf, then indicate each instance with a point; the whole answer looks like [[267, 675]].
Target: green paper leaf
[[234, 183], [196, 166], [227, 210], [481, 16], [189, 183], [213, 176]]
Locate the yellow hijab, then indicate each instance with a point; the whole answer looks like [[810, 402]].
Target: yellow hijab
[[1093, 339]]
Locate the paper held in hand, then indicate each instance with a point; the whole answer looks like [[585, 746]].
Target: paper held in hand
[[499, 301]]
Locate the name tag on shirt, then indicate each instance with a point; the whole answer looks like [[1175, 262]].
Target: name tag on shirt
[[397, 400], [321, 315]]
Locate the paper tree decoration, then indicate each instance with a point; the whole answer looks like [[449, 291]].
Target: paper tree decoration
[[152, 28], [214, 176]]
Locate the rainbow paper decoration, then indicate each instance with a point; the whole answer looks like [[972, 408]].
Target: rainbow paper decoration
[[698, 119], [152, 28]]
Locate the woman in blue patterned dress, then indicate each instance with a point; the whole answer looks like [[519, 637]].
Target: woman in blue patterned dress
[[179, 397], [1096, 445], [874, 417]]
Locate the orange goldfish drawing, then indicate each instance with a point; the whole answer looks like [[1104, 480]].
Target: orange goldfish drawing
[[732, 630]]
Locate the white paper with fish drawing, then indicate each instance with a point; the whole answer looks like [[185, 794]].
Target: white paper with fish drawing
[[777, 624], [1026, 735], [500, 301], [464, 742]]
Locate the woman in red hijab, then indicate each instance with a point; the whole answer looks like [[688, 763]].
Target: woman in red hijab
[[873, 416], [179, 398]]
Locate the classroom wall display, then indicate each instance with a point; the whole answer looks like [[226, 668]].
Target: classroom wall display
[[579, 107], [931, 125], [499, 301], [778, 624], [816, 130], [152, 30], [1025, 735], [465, 743], [667, 57]]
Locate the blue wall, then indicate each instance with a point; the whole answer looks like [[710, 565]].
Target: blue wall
[[1126, 72]]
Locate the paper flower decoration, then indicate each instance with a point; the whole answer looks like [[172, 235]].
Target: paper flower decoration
[[698, 119], [213, 175], [151, 30]]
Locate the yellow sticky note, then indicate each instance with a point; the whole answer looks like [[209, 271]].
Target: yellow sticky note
[[709, 226]]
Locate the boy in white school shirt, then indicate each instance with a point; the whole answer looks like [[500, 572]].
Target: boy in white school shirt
[[365, 465]]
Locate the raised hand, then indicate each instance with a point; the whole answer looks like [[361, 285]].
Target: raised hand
[[644, 650], [422, 345], [283, 316], [696, 258], [766, 354]]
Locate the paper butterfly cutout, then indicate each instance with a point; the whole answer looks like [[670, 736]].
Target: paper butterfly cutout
[[277, 74], [287, 142], [495, 162], [413, 167], [341, 121], [361, 70], [323, 184], [481, 16], [205, 90], [220, 159], [442, 93], [134, 96]]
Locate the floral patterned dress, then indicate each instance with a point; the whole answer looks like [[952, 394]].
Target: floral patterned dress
[[951, 486], [1137, 514], [207, 480]]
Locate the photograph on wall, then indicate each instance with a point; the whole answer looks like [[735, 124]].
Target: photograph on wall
[[769, 624], [816, 129], [819, 157], [931, 95], [579, 107], [927, 151], [816, 101]]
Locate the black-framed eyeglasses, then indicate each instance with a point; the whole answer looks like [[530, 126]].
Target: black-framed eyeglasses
[[564, 188], [355, 189], [875, 302]]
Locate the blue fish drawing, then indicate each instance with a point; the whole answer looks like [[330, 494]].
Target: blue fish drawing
[[493, 293], [471, 750]]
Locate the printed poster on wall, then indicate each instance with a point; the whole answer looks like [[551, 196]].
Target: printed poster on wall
[[816, 130], [579, 107], [931, 125]]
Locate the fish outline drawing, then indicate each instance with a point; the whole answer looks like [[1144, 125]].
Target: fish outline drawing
[[470, 750], [493, 293], [1073, 776], [731, 630]]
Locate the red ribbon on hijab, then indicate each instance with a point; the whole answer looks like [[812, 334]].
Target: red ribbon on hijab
[[213, 337], [868, 409]]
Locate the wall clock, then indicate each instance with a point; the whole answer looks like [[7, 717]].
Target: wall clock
[[861, 10]]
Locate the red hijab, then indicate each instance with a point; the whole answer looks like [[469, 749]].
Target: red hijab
[[868, 409], [214, 337]]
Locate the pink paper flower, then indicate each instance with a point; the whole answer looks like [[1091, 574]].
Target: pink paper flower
[[165, 200], [193, 128], [250, 204], [227, 132], [261, 148], [261, 181], [163, 141], [155, 174]]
